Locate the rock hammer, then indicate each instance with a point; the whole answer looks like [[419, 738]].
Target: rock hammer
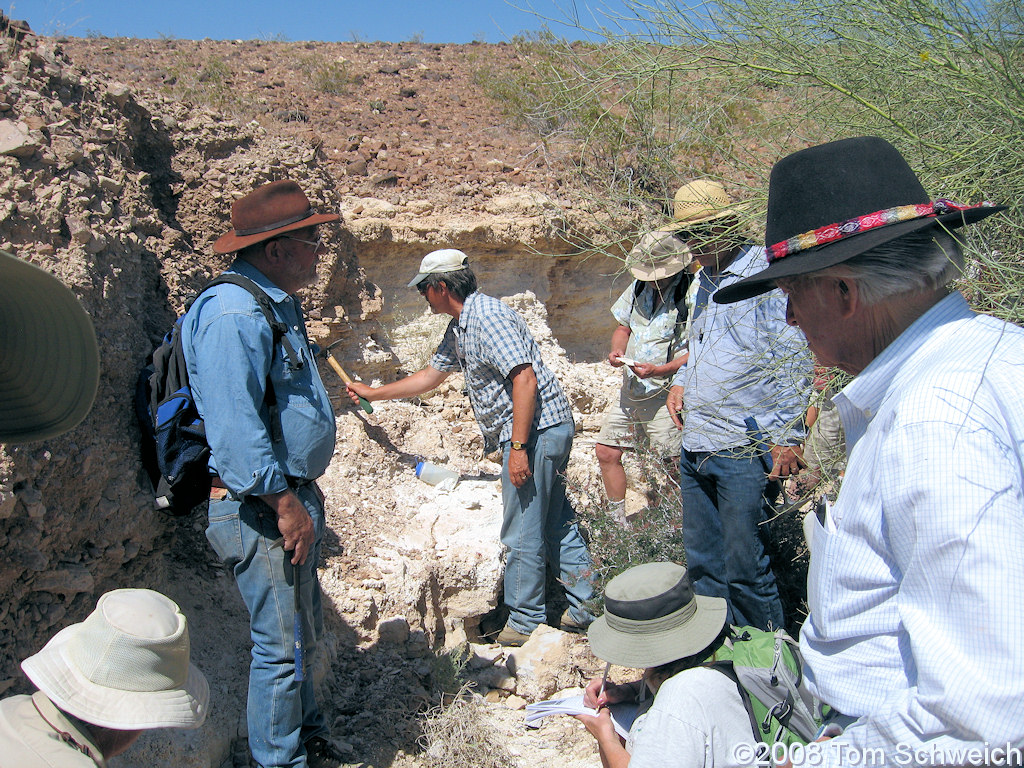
[[344, 376]]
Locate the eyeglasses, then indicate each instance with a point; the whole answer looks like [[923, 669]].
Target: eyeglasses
[[317, 245], [422, 287]]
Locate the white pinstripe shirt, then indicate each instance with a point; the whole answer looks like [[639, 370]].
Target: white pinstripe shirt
[[916, 583]]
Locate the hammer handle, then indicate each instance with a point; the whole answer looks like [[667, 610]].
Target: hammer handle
[[348, 380]]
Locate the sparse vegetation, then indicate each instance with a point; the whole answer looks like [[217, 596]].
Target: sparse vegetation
[[655, 533], [726, 89], [330, 77], [459, 734], [447, 673]]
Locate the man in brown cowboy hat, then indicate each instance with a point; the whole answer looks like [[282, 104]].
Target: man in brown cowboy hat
[[916, 581], [271, 431], [739, 400], [122, 671]]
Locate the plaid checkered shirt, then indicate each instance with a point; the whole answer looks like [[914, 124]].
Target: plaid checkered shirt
[[487, 341]]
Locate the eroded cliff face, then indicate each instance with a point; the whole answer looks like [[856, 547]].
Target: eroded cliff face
[[121, 192], [121, 201]]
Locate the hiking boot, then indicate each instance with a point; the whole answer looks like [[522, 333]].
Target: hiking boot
[[511, 638], [568, 624], [321, 753]]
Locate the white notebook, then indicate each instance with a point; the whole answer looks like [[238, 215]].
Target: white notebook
[[622, 713]]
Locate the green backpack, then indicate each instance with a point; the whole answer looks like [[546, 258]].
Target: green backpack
[[768, 671]]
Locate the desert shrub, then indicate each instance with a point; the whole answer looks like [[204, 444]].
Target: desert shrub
[[458, 734], [206, 82], [726, 89], [447, 672], [655, 533], [329, 77]]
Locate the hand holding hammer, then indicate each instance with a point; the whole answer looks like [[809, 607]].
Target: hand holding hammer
[[363, 402]]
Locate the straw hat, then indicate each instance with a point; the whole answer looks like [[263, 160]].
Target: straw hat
[[125, 667], [653, 617], [267, 212], [658, 255], [51, 364], [829, 203], [699, 202]]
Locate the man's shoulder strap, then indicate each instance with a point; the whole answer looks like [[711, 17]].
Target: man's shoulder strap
[[263, 302]]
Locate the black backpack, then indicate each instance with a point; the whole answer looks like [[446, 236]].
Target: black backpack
[[173, 447]]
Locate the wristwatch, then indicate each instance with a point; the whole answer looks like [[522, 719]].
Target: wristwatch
[[517, 446]]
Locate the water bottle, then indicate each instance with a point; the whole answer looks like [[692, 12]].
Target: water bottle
[[435, 475]]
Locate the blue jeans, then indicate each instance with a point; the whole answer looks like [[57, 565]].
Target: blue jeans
[[282, 713], [539, 527], [726, 503]]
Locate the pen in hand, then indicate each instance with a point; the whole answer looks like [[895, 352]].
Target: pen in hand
[[604, 682]]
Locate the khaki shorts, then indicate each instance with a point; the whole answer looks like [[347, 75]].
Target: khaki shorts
[[646, 415]]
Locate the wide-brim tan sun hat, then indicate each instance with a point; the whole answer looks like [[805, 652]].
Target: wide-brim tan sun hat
[[50, 365], [652, 617], [700, 202], [657, 256], [266, 212], [125, 667]]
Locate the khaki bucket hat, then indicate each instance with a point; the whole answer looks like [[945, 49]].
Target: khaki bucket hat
[[658, 255], [125, 667], [652, 616], [50, 365]]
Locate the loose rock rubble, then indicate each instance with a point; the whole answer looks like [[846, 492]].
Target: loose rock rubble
[[120, 188]]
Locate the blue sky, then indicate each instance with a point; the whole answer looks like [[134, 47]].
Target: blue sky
[[431, 21]]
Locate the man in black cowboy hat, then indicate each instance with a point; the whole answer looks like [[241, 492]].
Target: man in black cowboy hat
[[266, 511], [916, 582]]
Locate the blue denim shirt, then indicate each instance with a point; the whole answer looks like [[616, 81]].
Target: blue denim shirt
[[487, 341], [227, 345], [748, 375]]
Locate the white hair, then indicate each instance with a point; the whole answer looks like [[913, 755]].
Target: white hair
[[921, 261]]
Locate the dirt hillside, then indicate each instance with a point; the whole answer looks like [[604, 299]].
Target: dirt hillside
[[118, 162]]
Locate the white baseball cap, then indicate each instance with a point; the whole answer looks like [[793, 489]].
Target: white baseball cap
[[439, 262]]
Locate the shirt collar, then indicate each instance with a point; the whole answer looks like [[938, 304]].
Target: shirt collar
[[744, 261], [867, 390], [243, 267], [467, 309]]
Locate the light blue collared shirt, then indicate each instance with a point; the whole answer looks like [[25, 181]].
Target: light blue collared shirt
[[748, 376], [228, 352]]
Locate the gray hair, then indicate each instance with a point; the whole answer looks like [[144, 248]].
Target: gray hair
[[921, 261]]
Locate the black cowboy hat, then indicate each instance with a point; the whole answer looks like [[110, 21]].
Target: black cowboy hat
[[829, 203]]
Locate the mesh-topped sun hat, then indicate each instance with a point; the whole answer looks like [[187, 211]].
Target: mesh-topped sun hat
[[125, 667]]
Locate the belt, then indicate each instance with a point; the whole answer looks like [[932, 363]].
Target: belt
[[220, 491]]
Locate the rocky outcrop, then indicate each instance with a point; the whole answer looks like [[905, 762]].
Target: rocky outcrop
[[121, 200]]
